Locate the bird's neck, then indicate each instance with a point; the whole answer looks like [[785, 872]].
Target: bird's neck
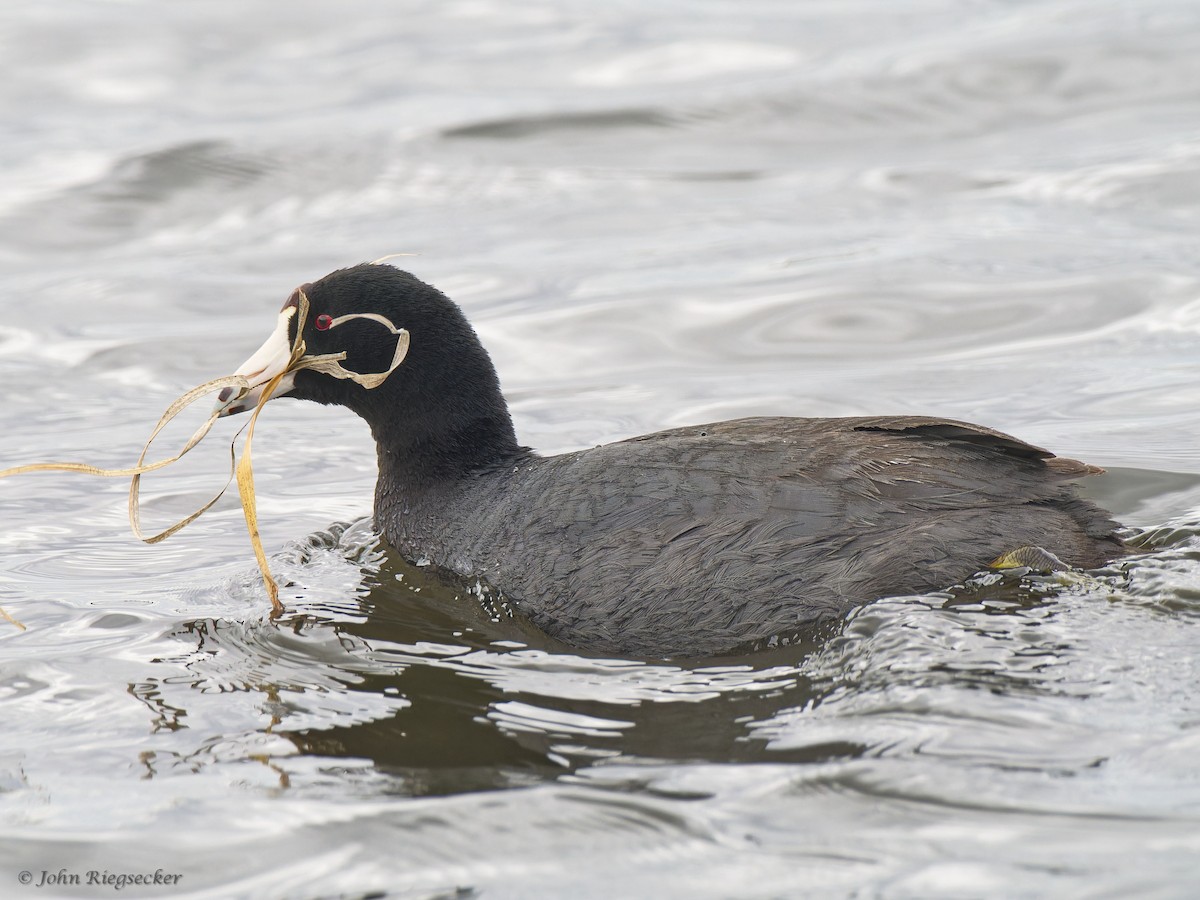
[[442, 427], [417, 459], [431, 486]]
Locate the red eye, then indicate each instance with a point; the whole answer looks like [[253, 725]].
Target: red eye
[[323, 322]]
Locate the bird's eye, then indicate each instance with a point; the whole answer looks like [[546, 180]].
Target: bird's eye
[[323, 322]]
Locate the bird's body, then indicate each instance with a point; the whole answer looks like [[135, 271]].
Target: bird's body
[[688, 542], [742, 530]]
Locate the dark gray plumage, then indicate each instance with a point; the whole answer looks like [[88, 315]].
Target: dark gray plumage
[[688, 542]]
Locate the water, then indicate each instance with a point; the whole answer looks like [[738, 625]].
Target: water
[[655, 215]]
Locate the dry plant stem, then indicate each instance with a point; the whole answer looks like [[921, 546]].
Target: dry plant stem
[[135, 472], [142, 468], [242, 469], [16, 622], [135, 518], [245, 482]]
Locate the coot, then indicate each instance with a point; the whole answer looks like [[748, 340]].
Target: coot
[[689, 542]]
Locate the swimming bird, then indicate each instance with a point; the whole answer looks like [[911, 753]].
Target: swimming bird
[[690, 542]]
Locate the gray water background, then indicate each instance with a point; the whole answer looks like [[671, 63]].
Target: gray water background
[[655, 214]]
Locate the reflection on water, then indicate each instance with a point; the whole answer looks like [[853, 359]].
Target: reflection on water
[[654, 216], [451, 694]]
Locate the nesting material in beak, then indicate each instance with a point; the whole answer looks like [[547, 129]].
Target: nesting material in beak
[[269, 360]]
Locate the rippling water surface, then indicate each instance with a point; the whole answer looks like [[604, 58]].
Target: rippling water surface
[[655, 214]]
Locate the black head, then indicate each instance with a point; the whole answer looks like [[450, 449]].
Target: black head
[[441, 406]]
